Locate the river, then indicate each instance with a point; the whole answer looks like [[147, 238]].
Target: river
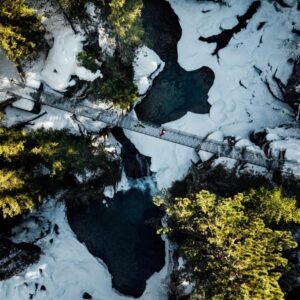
[[122, 231]]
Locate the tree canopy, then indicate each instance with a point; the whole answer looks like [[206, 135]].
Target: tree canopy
[[125, 18], [231, 247], [20, 29], [39, 163]]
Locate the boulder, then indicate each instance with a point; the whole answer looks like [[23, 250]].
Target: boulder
[[15, 258]]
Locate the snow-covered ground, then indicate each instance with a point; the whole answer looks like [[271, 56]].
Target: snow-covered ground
[[240, 99], [66, 270]]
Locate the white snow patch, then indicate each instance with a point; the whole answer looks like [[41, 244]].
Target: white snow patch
[[147, 65], [8, 75], [24, 104], [106, 42], [62, 61], [123, 185], [109, 191]]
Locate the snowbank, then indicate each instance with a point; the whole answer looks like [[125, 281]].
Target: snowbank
[[239, 97], [24, 104], [147, 65], [67, 270], [62, 61]]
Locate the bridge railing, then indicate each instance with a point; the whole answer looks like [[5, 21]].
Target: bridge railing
[[220, 149]]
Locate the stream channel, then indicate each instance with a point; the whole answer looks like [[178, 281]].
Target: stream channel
[[122, 232]]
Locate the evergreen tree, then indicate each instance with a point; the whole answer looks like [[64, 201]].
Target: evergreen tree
[[74, 7], [39, 163], [231, 250], [125, 18], [20, 29]]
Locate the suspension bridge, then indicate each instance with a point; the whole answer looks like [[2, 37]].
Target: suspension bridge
[[114, 118]]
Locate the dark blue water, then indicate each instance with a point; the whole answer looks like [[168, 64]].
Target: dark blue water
[[124, 236], [175, 91]]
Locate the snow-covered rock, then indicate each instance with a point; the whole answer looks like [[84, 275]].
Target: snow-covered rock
[[24, 104], [109, 191], [147, 65], [8, 75], [106, 42]]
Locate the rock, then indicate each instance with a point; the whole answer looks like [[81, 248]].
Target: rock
[[43, 288], [287, 3], [14, 258], [259, 138], [56, 229], [86, 296]]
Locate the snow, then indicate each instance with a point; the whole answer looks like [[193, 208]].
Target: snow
[[181, 263], [109, 191], [106, 39], [66, 268], [147, 65], [123, 184], [24, 104], [62, 61], [91, 9], [236, 110]]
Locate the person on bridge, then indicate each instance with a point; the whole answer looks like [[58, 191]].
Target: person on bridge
[[162, 132], [139, 124]]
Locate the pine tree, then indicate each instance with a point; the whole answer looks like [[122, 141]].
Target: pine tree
[[125, 19], [36, 164], [20, 29], [230, 248]]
